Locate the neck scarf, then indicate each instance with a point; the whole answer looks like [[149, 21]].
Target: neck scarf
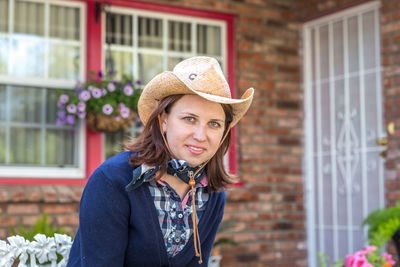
[[177, 168]]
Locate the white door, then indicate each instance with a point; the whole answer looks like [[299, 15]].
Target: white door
[[343, 106]]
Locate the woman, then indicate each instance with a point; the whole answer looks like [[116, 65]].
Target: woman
[[160, 203]]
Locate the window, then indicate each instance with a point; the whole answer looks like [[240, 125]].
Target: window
[[144, 44], [41, 50]]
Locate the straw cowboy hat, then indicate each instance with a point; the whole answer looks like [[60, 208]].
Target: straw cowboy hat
[[197, 75]]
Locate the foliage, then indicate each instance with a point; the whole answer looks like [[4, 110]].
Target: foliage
[[382, 224], [99, 95], [42, 226], [322, 259]]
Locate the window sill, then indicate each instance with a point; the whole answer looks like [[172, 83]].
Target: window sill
[[42, 172]]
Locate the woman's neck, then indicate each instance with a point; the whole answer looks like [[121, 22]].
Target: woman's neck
[[177, 184]]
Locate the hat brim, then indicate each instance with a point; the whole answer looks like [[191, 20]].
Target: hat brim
[[167, 83]]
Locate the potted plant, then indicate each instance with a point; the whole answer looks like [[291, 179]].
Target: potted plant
[[383, 226], [106, 104]]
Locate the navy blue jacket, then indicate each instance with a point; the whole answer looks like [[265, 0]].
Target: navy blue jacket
[[120, 228]]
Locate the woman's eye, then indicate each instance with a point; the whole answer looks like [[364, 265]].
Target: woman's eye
[[190, 119], [215, 124]]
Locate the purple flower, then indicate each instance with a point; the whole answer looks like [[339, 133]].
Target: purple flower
[[91, 88], [138, 82], [70, 119], [125, 113], [103, 91], [100, 74], [97, 93], [84, 95], [60, 105], [111, 87], [128, 90], [60, 122], [81, 106], [63, 99], [107, 109], [81, 114], [61, 114], [121, 106], [71, 108]]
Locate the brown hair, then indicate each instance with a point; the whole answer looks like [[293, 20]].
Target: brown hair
[[151, 149]]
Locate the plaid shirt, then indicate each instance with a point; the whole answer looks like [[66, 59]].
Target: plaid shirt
[[175, 215]]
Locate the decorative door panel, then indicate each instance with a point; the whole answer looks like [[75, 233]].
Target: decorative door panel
[[344, 170]]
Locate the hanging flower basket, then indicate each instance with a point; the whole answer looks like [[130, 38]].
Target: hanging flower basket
[[103, 123], [106, 104]]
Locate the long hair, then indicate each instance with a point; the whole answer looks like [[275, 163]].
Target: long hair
[[151, 149]]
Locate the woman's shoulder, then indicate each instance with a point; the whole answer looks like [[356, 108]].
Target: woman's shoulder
[[117, 168]]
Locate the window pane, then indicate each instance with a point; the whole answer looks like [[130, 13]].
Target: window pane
[[51, 106], [3, 55], [150, 32], [122, 63], [64, 22], [209, 40], [3, 16], [2, 144], [29, 18], [179, 36], [119, 29], [149, 66], [172, 61], [26, 104], [28, 56], [60, 147], [25, 146], [64, 61]]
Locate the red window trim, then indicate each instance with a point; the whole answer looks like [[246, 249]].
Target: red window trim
[[94, 141]]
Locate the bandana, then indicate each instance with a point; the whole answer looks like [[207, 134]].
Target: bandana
[[177, 168]]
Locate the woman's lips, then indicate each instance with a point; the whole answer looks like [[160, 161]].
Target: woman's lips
[[195, 150]]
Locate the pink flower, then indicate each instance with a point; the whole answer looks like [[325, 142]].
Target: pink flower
[[369, 249], [388, 258]]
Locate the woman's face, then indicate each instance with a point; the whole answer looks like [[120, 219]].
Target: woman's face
[[194, 128]]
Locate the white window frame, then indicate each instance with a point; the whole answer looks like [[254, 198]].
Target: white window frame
[[78, 172]]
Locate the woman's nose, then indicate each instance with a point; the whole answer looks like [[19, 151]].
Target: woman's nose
[[199, 133]]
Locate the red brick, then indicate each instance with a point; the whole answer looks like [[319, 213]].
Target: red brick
[[50, 194], [58, 208], [23, 209], [7, 221], [67, 220], [18, 193], [4, 196]]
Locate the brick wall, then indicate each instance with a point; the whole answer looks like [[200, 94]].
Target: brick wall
[[24, 205], [390, 30]]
